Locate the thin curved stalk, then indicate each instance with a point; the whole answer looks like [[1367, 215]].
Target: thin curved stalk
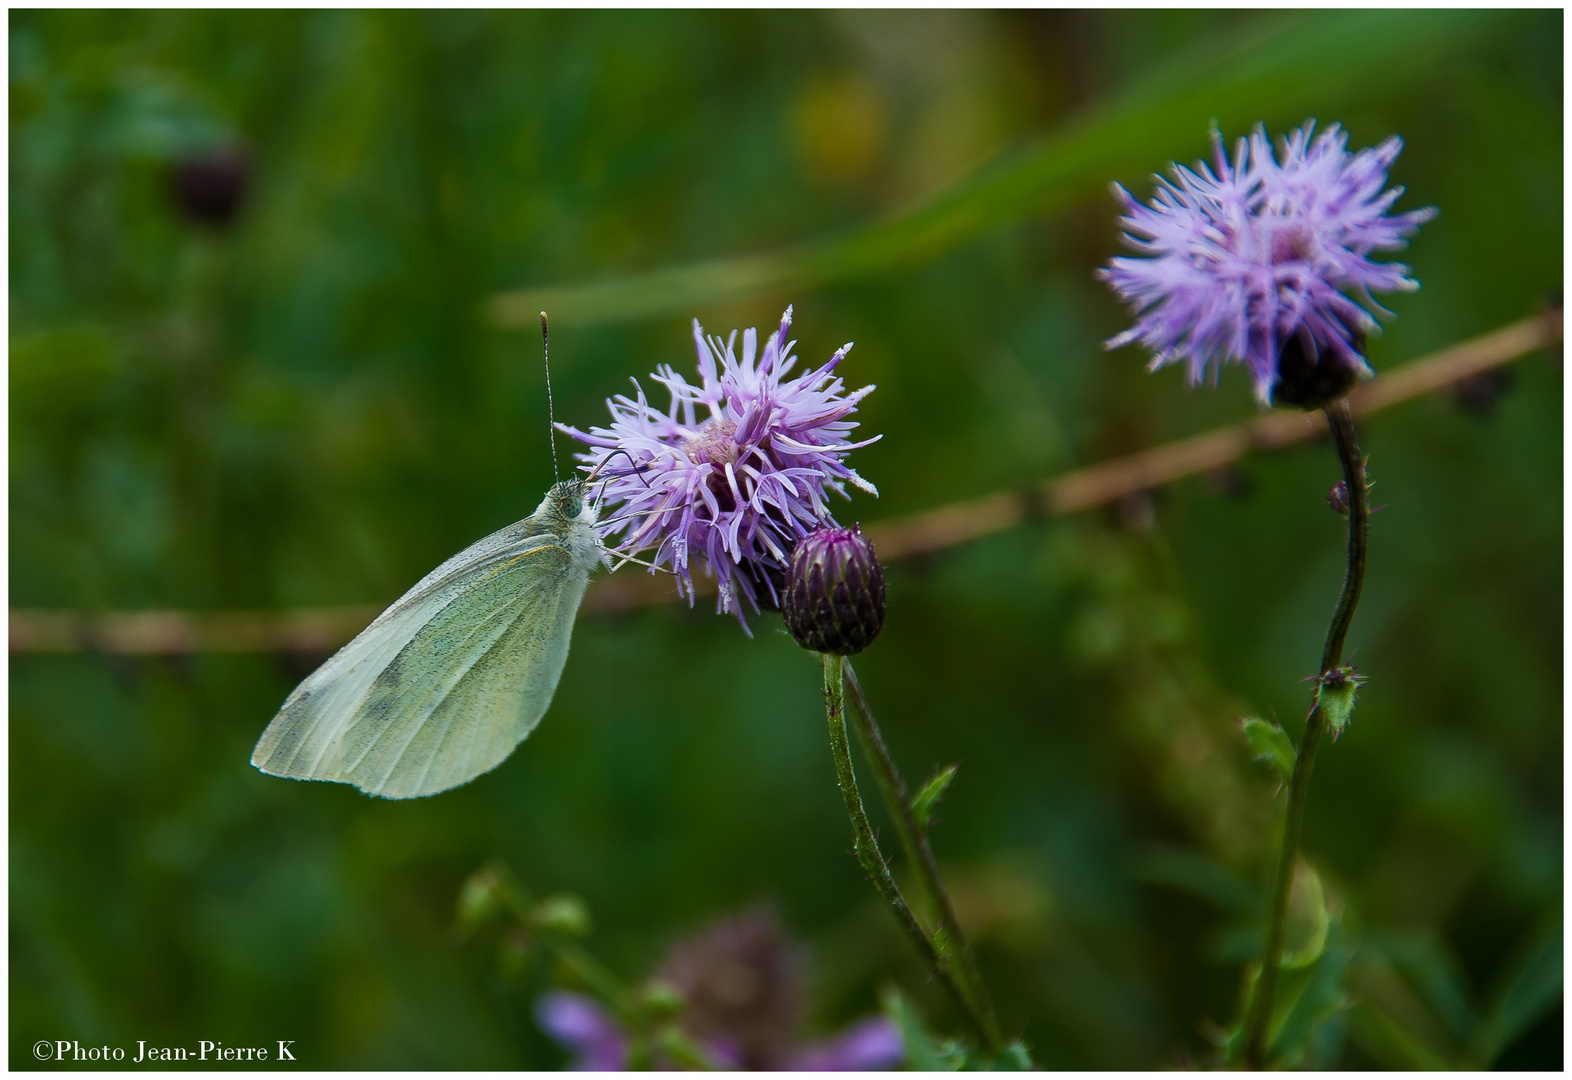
[[1258, 1022], [867, 846], [914, 839]]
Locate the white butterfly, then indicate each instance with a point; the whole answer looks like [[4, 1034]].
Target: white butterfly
[[446, 682]]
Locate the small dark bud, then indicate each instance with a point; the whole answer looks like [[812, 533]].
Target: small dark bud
[[1480, 394], [1310, 377], [1337, 497], [834, 600], [209, 188], [1232, 482]]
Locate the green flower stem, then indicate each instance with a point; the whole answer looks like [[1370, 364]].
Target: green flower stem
[[867, 847], [595, 975], [914, 839], [668, 1037], [1341, 420]]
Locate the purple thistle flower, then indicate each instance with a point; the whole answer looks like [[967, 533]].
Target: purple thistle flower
[[1250, 260], [738, 483]]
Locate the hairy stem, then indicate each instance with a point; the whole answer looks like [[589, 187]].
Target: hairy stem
[[867, 847], [1341, 420], [914, 839]]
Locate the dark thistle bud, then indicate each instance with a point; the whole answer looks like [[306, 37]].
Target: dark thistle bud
[[834, 599], [1311, 375], [1480, 394], [209, 188]]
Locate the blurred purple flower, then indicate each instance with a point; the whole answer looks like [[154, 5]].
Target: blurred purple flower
[[738, 486], [872, 1043], [742, 987], [1244, 259], [584, 1027]]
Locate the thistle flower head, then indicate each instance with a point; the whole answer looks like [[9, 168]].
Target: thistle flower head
[[734, 471], [1253, 260]]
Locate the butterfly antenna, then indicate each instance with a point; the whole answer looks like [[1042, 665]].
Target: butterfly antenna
[[551, 412]]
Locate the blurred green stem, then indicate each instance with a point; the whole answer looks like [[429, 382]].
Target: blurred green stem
[[873, 864], [1259, 1020], [605, 983], [914, 838]]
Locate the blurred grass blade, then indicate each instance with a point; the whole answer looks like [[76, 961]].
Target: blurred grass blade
[[1280, 66], [1531, 992], [1390, 1043], [1197, 874], [1428, 965], [1321, 998]]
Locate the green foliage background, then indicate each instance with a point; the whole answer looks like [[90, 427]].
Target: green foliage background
[[313, 407]]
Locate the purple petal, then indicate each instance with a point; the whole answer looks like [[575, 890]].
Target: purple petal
[[870, 1044], [580, 1024]]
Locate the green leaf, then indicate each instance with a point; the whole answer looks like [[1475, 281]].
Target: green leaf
[[1271, 745], [1279, 66], [1013, 1058], [923, 802], [924, 1053]]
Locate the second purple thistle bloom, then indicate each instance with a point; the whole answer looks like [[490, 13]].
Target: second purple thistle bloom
[[735, 470], [1252, 261]]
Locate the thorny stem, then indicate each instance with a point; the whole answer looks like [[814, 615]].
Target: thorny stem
[[1341, 420], [867, 847], [914, 839]]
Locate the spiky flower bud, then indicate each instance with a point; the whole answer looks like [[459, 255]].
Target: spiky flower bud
[[1335, 694], [834, 592], [1337, 497]]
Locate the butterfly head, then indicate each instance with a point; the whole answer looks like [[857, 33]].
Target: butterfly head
[[567, 498]]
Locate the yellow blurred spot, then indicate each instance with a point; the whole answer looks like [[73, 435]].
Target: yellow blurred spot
[[839, 125]]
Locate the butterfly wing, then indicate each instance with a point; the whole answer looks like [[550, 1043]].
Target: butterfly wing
[[446, 682]]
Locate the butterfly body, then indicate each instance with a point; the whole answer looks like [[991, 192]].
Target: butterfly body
[[456, 673]]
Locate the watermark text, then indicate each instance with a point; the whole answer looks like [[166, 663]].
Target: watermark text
[[206, 1050]]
